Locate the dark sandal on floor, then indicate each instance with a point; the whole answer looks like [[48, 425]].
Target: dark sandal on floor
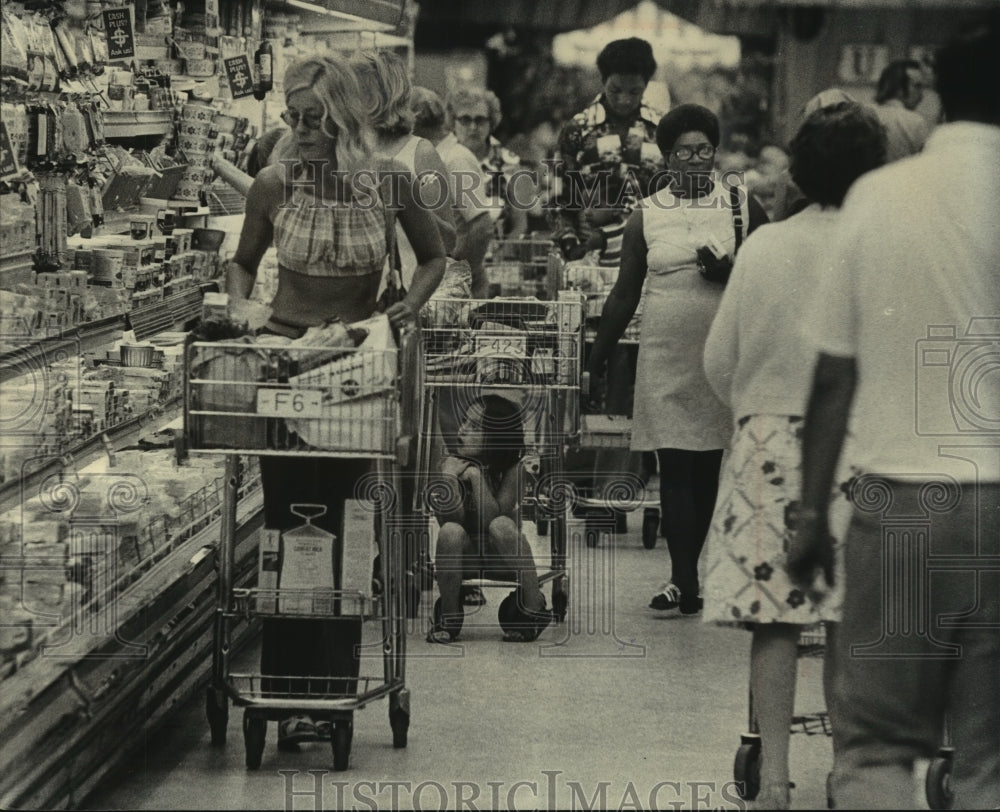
[[522, 625], [444, 630], [294, 730]]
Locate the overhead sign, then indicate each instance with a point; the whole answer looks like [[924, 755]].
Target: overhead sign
[[118, 30], [240, 77]]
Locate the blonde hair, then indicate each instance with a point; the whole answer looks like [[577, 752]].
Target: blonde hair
[[384, 78], [336, 86]]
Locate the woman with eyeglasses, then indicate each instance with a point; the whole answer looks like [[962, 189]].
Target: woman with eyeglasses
[[676, 241], [475, 115], [325, 213]]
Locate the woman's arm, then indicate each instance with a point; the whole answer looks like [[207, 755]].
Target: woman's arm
[[425, 239], [231, 174], [722, 345], [433, 187], [257, 233], [624, 297]]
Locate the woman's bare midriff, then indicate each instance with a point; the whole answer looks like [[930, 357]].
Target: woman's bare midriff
[[306, 301]]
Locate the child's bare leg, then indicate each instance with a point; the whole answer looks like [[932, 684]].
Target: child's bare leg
[[514, 553], [449, 564]]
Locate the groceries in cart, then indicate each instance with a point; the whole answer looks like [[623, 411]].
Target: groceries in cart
[[331, 389], [480, 533], [504, 342]]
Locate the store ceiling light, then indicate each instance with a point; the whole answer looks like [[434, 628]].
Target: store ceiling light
[[366, 23]]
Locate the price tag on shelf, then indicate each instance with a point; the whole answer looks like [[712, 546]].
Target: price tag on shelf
[[290, 402]]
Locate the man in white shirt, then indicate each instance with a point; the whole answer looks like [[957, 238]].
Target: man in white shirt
[[466, 182], [908, 332]]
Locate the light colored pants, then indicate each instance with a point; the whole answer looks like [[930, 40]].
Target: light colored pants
[[920, 638]]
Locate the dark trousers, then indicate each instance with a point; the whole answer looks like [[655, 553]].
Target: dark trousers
[[918, 640], [310, 647], [689, 483]]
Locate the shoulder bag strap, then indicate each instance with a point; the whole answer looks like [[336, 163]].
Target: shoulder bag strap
[[394, 279], [739, 227]]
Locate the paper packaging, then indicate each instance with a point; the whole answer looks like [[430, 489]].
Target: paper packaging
[[267, 574], [359, 547]]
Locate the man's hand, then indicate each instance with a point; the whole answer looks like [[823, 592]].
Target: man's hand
[[810, 552]]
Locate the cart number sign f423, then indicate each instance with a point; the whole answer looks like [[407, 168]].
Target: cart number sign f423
[[290, 402]]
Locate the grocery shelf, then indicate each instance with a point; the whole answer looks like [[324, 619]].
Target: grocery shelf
[[68, 720], [134, 123], [34, 353]]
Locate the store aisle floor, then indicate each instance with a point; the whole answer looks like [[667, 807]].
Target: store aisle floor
[[647, 716]]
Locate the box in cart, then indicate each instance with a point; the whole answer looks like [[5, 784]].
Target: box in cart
[[295, 574]]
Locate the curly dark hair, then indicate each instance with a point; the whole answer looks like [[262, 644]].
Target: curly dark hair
[[627, 57], [833, 148], [894, 82]]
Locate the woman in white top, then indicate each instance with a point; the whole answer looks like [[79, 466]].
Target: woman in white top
[[759, 364], [676, 413]]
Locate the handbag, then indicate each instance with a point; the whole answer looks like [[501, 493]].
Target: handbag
[[713, 269], [394, 291]]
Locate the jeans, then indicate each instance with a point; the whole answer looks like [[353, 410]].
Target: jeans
[[920, 638]]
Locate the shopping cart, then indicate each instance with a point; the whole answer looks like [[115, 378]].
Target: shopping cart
[[746, 766], [594, 283], [522, 268], [529, 352], [307, 401]]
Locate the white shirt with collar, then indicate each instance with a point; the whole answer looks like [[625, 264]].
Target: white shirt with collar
[[914, 298]]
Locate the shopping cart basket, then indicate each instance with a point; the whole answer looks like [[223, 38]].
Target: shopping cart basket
[[529, 352], [245, 398]]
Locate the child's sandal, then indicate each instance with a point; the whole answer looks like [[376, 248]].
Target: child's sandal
[[444, 630]]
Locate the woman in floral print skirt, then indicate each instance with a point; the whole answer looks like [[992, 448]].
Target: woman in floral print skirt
[[757, 361]]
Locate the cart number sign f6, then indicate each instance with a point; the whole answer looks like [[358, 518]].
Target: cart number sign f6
[[290, 402]]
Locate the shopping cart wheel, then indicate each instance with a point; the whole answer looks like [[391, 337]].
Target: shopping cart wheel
[[399, 721], [650, 527], [254, 731], [746, 768], [340, 742], [217, 711], [560, 600], [621, 522], [937, 785]]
